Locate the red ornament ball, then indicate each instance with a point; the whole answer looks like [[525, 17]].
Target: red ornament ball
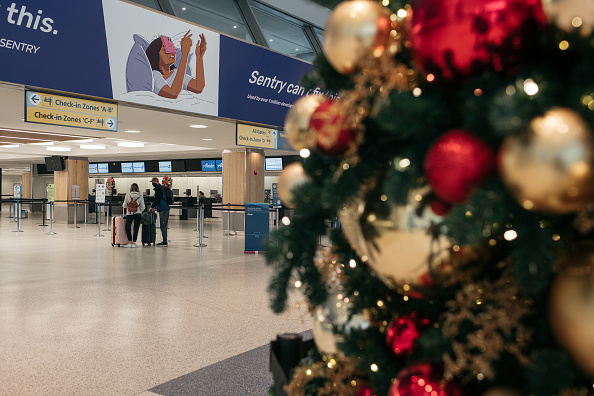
[[334, 138], [365, 391], [403, 332], [455, 40], [440, 207], [457, 163], [423, 379]]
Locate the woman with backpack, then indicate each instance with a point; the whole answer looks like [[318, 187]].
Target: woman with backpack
[[134, 204]]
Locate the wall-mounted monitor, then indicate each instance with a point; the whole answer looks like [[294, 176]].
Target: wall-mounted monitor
[[138, 167], [151, 166], [54, 163], [274, 164], [219, 165], [93, 169], [209, 166], [192, 165], [178, 166], [127, 167], [103, 168], [165, 166]]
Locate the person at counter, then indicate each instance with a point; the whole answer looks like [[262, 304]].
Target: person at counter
[[134, 204], [160, 205]]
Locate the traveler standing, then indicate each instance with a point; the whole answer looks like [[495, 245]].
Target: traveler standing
[[160, 205], [134, 204]]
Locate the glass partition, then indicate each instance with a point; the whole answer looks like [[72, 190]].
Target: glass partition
[[148, 3], [283, 33], [220, 15]]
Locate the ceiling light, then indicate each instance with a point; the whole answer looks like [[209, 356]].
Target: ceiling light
[[296, 49], [183, 8], [234, 27], [207, 139], [10, 146], [270, 39], [130, 144], [132, 131], [43, 144], [81, 141], [168, 144], [92, 146], [58, 148], [198, 126]]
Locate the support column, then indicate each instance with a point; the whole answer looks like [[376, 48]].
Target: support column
[[243, 181], [76, 172]]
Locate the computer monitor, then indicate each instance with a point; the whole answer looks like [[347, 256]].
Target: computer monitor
[[165, 166], [103, 168], [127, 167], [175, 192], [188, 192], [93, 169], [138, 167], [274, 164], [148, 191]]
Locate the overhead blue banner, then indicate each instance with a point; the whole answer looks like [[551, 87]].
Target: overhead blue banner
[[256, 226], [116, 50], [258, 85], [55, 44]]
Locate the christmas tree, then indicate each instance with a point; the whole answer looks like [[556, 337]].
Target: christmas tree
[[458, 161]]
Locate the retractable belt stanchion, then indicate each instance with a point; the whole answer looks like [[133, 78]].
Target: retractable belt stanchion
[[43, 209], [51, 231], [18, 217], [98, 221], [10, 210], [107, 212], [86, 210], [75, 213], [229, 221], [277, 217], [200, 227]]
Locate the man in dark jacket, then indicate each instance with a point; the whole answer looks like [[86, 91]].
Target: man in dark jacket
[[160, 205]]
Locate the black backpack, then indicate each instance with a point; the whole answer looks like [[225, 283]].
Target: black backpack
[[168, 196]]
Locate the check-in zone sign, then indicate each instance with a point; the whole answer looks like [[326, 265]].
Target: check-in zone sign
[[46, 108]]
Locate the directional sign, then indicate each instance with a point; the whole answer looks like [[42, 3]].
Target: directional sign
[[46, 108], [255, 136]]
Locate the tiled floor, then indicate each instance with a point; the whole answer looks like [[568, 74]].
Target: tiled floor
[[78, 317]]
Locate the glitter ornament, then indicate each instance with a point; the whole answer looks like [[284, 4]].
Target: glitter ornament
[[297, 129], [457, 163], [291, 177], [551, 167], [423, 379], [401, 248], [355, 30], [571, 14], [571, 304], [333, 137], [403, 332], [454, 40], [333, 313]]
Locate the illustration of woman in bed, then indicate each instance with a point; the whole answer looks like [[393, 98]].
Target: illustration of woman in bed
[[162, 68]]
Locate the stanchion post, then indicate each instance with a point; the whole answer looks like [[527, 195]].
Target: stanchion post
[[98, 221], [107, 213], [277, 218], [10, 210], [18, 217], [51, 231], [200, 227], [75, 213], [43, 209], [86, 210]]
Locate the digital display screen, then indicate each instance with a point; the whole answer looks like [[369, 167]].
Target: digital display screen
[[93, 169], [273, 164], [138, 167], [208, 166], [165, 166], [127, 167], [103, 168], [219, 165]]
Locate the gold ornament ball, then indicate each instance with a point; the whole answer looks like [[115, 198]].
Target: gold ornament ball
[[354, 30], [570, 14], [571, 304], [299, 134], [502, 392], [402, 247], [334, 312], [550, 168], [291, 177]]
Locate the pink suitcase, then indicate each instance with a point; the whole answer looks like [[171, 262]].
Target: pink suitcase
[[118, 231]]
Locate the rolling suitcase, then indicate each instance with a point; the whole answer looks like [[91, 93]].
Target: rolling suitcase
[[118, 231], [149, 231]]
